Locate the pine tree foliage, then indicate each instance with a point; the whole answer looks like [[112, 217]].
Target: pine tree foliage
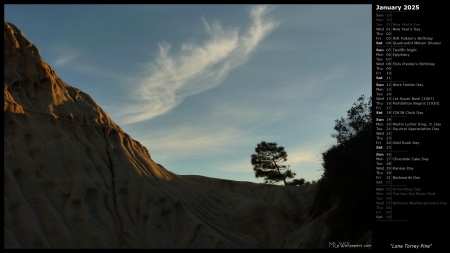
[[268, 163]]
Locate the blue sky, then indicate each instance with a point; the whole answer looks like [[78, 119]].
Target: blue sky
[[201, 85]]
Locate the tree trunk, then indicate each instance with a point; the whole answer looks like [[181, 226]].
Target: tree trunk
[[278, 169]]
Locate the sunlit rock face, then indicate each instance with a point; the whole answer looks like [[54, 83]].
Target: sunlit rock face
[[75, 179]]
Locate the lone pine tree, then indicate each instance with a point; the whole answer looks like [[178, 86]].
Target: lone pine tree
[[268, 162]]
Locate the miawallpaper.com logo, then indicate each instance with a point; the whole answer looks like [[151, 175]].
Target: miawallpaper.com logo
[[345, 245]]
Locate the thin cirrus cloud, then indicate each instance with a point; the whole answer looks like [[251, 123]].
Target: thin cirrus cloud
[[194, 141], [64, 57], [77, 61], [238, 167], [196, 68]]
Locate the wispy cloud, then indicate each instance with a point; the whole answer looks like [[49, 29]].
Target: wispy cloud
[[64, 57], [307, 156], [314, 83], [304, 156], [196, 68], [238, 167], [246, 117], [195, 141]]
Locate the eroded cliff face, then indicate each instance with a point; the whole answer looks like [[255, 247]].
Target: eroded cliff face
[[33, 85], [74, 179]]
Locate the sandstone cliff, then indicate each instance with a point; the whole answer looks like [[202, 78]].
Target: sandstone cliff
[[75, 179]]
